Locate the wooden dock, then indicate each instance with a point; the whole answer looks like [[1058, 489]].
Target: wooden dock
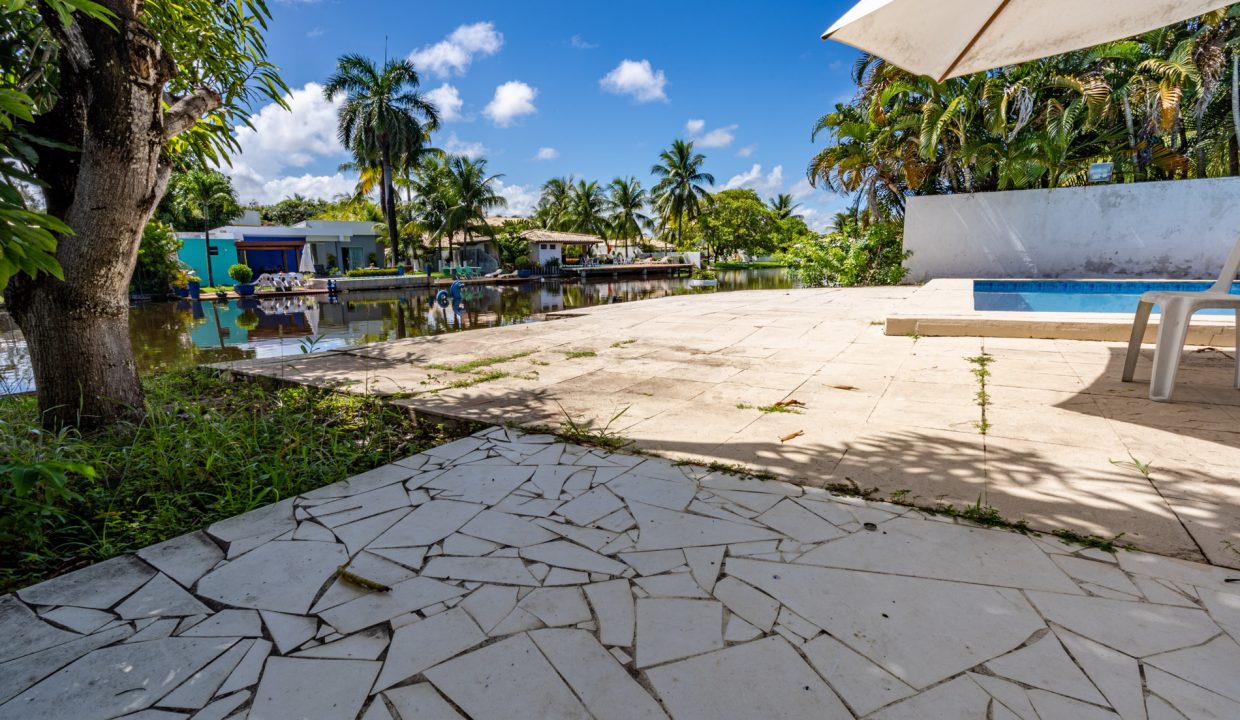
[[642, 269]]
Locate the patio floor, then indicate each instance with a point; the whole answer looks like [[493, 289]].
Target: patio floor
[[533, 579], [1068, 446]]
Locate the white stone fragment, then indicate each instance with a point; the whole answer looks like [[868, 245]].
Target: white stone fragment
[[571, 556], [427, 643], [507, 571], [679, 584], [377, 607], [705, 564], [507, 680], [590, 506], [863, 685], [672, 495], [228, 623], [160, 597], [220, 709], [281, 576], [184, 559], [557, 606], [737, 630], [99, 586], [959, 699], [1045, 664], [606, 688], [79, 620], [490, 604], [613, 606], [297, 688], [755, 607], [198, 689], [762, 679], [796, 522], [368, 644], [1129, 627], [665, 529], [655, 561], [560, 576], [422, 702], [670, 629], [289, 631], [427, 524], [506, 529], [248, 670], [485, 484], [464, 545]]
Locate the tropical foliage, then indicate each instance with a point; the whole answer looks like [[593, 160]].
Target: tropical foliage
[[851, 254], [1159, 106]]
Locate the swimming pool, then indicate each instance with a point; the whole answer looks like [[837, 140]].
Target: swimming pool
[[1078, 296]]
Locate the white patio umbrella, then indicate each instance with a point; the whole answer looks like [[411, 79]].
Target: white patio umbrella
[[948, 38], [306, 265]]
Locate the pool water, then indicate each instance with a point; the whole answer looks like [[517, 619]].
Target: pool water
[[1093, 296]]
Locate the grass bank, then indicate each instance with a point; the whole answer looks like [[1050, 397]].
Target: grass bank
[[209, 449], [758, 265]]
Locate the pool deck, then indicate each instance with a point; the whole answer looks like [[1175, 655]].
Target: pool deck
[[944, 308], [686, 377]]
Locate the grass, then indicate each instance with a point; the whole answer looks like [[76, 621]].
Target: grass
[[769, 408], [574, 354], [758, 265], [587, 432], [622, 343], [478, 379], [208, 450], [473, 365]]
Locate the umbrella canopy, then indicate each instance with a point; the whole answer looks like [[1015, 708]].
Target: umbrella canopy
[[948, 38], [307, 263]]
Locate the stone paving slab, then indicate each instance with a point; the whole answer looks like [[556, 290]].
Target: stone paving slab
[[639, 589], [685, 376]]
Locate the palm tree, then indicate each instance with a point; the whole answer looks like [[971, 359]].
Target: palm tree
[[472, 194], [680, 189], [586, 206], [626, 200], [784, 206], [383, 116], [204, 194], [553, 202]]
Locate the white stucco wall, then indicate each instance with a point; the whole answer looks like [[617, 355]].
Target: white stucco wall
[[1176, 229]]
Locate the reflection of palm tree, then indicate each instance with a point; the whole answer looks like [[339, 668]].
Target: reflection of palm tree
[[202, 194], [383, 118], [680, 189]]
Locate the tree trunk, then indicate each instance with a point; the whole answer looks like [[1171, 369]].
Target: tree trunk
[[1235, 102], [389, 202], [206, 214], [110, 109]]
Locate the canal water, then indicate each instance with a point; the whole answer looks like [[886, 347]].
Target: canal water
[[172, 335]]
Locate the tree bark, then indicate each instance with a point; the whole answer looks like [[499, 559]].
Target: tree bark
[[1235, 96], [110, 108], [389, 202]]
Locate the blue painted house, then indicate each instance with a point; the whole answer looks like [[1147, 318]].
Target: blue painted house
[[270, 248]]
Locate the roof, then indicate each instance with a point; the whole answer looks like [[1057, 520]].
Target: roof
[[563, 238]]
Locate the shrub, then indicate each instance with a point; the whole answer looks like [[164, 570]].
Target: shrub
[[180, 280], [241, 273], [157, 264], [371, 272], [702, 274], [372, 259], [524, 263], [852, 256]]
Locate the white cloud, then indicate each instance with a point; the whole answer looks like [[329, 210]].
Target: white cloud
[[717, 138], [316, 32], [801, 190], [311, 186], [456, 146], [638, 79], [581, 44], [512, 100], [764, 185], [453, 54], [447, 100], [746, 151], [522, 200], [547, 153], [283, 140]]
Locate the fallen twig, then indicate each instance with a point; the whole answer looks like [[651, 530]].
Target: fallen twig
[[360, 581], [792, 436]]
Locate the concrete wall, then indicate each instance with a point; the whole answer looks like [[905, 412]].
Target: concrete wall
[[193, 252], [1176, 229]]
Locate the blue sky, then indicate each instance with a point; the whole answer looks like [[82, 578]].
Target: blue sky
[[545, 89]]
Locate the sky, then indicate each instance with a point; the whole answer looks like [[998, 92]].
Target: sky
[[548, 89]]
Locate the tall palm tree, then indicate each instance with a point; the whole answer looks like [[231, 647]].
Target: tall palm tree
[[626, 200], [205, 195], [587, 204], [553, 202], [383, 116], [680, 190], [472, 195], [784, 206]]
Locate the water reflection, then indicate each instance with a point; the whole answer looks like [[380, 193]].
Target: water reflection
[[180, 334]]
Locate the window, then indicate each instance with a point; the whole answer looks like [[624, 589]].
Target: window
[[543, 246]]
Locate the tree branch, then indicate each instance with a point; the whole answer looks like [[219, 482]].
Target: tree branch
[[186, 111]]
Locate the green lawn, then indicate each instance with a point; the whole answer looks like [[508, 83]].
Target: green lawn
[[209, 449]]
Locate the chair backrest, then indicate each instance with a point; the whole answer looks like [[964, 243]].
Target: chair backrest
[[1230, 268]]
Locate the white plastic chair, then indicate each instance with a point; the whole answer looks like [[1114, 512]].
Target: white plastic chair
[[1176, 311]]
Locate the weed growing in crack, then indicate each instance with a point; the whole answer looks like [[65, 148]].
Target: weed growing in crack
[[473, 365], [622, 343], [585, 431], [574, 354], [1135, 464], [981, 371]]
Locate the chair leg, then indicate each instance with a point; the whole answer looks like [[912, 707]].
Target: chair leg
[[1139, 323], [1172, 331]]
